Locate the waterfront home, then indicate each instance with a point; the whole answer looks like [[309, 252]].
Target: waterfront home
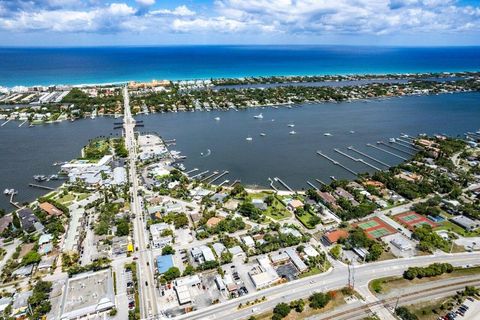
[[50, 209], [342, 193], [295, 204], [328, 199], [28, 220]]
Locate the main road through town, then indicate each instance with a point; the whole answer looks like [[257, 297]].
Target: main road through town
[[336, 278], [146, 285]]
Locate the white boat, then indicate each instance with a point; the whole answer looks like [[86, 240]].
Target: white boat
[[352, 132], [249, 138], [206, 154], [258, 116], [291, 125], [6, 192], [263, 134], [292, 132], [217, 118], [326, 134], [392, 140]]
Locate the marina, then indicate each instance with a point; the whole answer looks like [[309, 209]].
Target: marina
[[24, 152], [386, 151]]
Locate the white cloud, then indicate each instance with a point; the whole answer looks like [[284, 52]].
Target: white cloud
[[145, 2], [255, 17], [182, 11]]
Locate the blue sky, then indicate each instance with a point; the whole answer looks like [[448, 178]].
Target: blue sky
[[164, 22]]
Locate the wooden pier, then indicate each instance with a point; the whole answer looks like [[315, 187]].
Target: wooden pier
[[13, 203], [200, 174], [271, 185], [224, 182], [234, 183], [312, 185], [321, 182], [219, 176], [386, 151], [395, 148], [408, 146], [5, 123], [357, 160], [283, 184], [40, 186], [214, 173], [191, 171], [368, 156], [337, 163]]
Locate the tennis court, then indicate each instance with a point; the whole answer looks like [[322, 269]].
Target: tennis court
[[375, 228], [413, 219], [368, 225], [378, 233]]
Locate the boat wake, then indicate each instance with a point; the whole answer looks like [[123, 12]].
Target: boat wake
[[206, 154]]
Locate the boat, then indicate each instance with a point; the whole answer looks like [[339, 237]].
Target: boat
[[217, 118], [249, 138], [39, 177], [206, 154], [326, 134], [352, 132], [333, 178], [258, 116], [392, 140], [291, 125], [6, 192], [263, 134], [53, 177], [292, 132]]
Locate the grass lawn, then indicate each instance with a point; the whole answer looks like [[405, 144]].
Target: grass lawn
[[82, 196], [277, 211], [384, 285], [430, 310], [450, 226], [65, 199], [305, 219], [307, 312]]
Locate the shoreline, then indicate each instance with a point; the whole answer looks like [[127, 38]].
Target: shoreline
[[395, 75]]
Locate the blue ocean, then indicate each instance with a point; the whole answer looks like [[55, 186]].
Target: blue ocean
[[32, 66]]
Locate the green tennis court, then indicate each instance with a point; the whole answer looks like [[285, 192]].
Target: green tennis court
[[378, 233], [410, 217], [368, 224]]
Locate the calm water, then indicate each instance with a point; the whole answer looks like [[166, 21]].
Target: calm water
[[27, 151], [112, 64]]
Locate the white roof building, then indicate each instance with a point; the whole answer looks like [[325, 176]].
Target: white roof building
[[249, 242]]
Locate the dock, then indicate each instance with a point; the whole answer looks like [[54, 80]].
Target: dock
[[386, 151], [410, 142], [283, 184], [1, 125], [321, 182], [357, 160], [219, 176], [337, 163], [224, 182], [271, 185], [368, 156], [21, 124], [199, 174], [408, 146], [214, 173], [13, 203], [191, 171], [40, 186], [312, 185], [234, 183], [395, 148]]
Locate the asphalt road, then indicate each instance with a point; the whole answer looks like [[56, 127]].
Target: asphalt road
[[148, 304], [334, 279]]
